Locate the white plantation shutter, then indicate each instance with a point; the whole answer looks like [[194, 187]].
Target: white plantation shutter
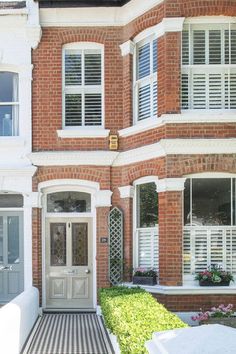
[[83, 87], [209, 245], [147, 248], [146, 79], [207, 81]]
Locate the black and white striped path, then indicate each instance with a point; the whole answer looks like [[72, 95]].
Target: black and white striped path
[[69, 334]]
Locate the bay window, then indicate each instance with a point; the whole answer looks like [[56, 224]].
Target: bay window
[[209, 67], [9, 104], [209, 224], [146, 228], [83, 85], [145, 85]]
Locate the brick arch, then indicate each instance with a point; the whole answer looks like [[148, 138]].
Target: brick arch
[[146, 168], [93, 174], [177, 166], [80, 35], [192, 8]]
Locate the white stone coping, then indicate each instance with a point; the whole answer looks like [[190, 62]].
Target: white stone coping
[[186, 289], [83, 133]]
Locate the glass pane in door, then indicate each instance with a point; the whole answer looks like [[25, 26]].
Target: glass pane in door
[[1, 239], [58, 244], [79, 244], [13, 239]]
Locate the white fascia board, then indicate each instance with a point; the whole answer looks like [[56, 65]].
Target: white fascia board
[[62, 158], [83, 133], [96, 16], [210, 20], [17, 171]]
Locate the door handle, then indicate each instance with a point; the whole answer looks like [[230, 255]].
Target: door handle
[[87, 271], [6, 268]]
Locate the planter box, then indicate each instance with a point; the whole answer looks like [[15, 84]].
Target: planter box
[[227, 321], [144, 280], [211, 283]]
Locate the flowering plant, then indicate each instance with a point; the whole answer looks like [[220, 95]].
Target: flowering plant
[[145, 272], [219, 312], [214, 274]]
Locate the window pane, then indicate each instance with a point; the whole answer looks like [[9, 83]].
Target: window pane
[[93, 109], [143, 69], [211, 201], [9, 120], [58, 244], [11, 200], [73, 73], [69, 202], [93, 69], [13, 239], [215, 47], [73, 110], [8, 87], [199, 47], [79, 244], [147, 205], [187, 209]]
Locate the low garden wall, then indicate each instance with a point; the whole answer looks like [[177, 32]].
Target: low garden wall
[[17, 319]]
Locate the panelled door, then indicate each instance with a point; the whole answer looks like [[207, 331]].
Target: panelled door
[[11, 255], [69, 268]]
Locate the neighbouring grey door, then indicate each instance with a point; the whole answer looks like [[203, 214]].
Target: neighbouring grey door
[[11, 255]]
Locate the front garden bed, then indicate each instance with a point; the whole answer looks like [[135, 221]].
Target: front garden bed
[[133, 315]]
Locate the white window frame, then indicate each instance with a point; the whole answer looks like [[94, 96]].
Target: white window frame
[[16, 104], [141, 181], [148, 79], [83, 46], [204, 24]]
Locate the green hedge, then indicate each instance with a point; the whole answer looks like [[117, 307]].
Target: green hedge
[[133, 315]]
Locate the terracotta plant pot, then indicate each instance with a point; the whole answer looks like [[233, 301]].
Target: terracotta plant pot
[[226, 321], [144, 280], [211, 283]]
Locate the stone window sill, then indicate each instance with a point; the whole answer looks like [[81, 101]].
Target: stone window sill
[[83, 133], [186, 289], [11, 141]]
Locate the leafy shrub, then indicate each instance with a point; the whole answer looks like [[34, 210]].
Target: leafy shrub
[[133, 315]]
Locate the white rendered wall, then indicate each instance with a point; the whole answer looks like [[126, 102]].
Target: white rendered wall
[[17, 319]]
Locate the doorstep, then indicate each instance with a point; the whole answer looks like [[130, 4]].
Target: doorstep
[[185, 289]]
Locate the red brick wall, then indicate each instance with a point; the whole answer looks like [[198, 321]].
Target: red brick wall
[[188, 303], [102, 248]]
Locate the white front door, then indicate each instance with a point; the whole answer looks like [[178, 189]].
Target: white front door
[[11, 255], [69, 263]]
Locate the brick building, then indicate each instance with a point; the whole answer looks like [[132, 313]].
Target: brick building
[[161, 76]]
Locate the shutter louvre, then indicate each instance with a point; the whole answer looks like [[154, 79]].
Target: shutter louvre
[[154, 48], [73, 73], [199, 91], [93, 109], [185, 47], [215, 47], [215, 91], [93, 69], [185, 91], [148, 249], [73, 110], [144, 100], [199, 47], [143, 61]]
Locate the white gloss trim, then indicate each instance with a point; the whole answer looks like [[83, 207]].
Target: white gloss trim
[[185, 290], [210, 20], [127, 48], [83, 133], [139, 127], [126, 192], [170, 184], [11, 141], [95, 16]]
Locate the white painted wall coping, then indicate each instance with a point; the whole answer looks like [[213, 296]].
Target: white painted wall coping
[[186, 289], [207, 339], [17, 319], [113, 338], [83, 133]]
